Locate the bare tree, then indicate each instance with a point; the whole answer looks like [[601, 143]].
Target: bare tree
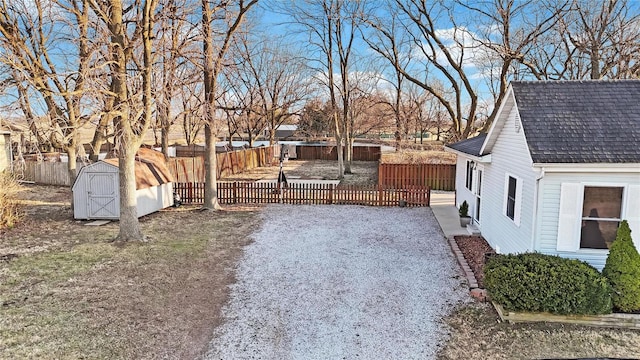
[[369, 112], [30, 34], [279, 77], [189, 105], [425, 112], [175, 47], [132, 111], [331, 26], [448, 54], [229, 16], [512, 30], [593, 40], [391, 49], [315, 118]]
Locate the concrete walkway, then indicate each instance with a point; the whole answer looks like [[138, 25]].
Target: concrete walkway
[[446, 213]]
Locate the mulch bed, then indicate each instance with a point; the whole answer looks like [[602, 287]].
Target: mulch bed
[[475, 250]]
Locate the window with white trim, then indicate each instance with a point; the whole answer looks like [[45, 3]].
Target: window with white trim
[[601, 216], [577, 221], [511, 198], [469, 179]]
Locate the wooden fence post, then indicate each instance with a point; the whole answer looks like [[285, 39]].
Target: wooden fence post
[[235, 192]]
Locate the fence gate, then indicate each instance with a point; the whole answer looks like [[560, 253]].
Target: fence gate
[[102, 195]]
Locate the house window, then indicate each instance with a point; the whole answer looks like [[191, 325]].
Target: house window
[[469, 182], [511, 198], [601, 214]]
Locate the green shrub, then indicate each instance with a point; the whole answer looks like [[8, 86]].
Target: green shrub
[[545, 283], [623, 271], [464, 209]]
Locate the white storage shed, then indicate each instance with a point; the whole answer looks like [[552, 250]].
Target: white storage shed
[[96, 192], [5, 150]]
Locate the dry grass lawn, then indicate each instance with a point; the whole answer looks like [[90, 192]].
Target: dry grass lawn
[[363, 172], [67, 292], [477, 334]]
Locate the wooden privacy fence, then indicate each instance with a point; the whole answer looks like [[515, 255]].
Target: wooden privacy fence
[[435, 176], [329, 152], [244, 192], [183, 169], [191, 169], [43, 172]]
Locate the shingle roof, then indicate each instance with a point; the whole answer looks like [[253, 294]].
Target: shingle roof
[[151, 168], [470, 146], [580, 121]]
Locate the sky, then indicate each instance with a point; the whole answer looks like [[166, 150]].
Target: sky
[[274, 22]]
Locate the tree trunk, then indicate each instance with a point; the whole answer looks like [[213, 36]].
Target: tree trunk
[[212, 66], [211, 168], [165, 139], [348, 142], [272, 136], [340, 151], [72, 164], [129, 226]]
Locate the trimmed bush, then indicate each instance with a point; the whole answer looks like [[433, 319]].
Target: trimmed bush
[[623, 271], [544, 283]]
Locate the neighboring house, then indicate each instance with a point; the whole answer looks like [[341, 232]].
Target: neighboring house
[[558, 170], [282, 131], [96, 192], [5, 150]]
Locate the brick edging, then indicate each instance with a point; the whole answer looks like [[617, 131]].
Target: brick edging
[[474, 290]]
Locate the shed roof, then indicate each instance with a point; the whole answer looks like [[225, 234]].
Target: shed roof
[[151, 168], [580, 121]]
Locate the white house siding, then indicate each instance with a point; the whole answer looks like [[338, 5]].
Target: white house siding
[[549, 204], [509, 155], [462, 193]]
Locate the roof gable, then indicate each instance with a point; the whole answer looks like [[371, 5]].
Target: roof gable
[[580, 121]]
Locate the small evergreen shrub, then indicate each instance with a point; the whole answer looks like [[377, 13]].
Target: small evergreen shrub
[[464, 209], [623, 271], [544, 283]]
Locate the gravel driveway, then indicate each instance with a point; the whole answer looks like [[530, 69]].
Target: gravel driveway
[[341, 282]]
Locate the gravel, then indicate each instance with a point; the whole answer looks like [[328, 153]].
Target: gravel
[[336, 282]]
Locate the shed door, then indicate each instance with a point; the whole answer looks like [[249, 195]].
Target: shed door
[[102, 195]]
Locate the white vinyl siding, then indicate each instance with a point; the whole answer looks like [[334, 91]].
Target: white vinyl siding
[[509, 157], [558, 232], [462, 193]]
